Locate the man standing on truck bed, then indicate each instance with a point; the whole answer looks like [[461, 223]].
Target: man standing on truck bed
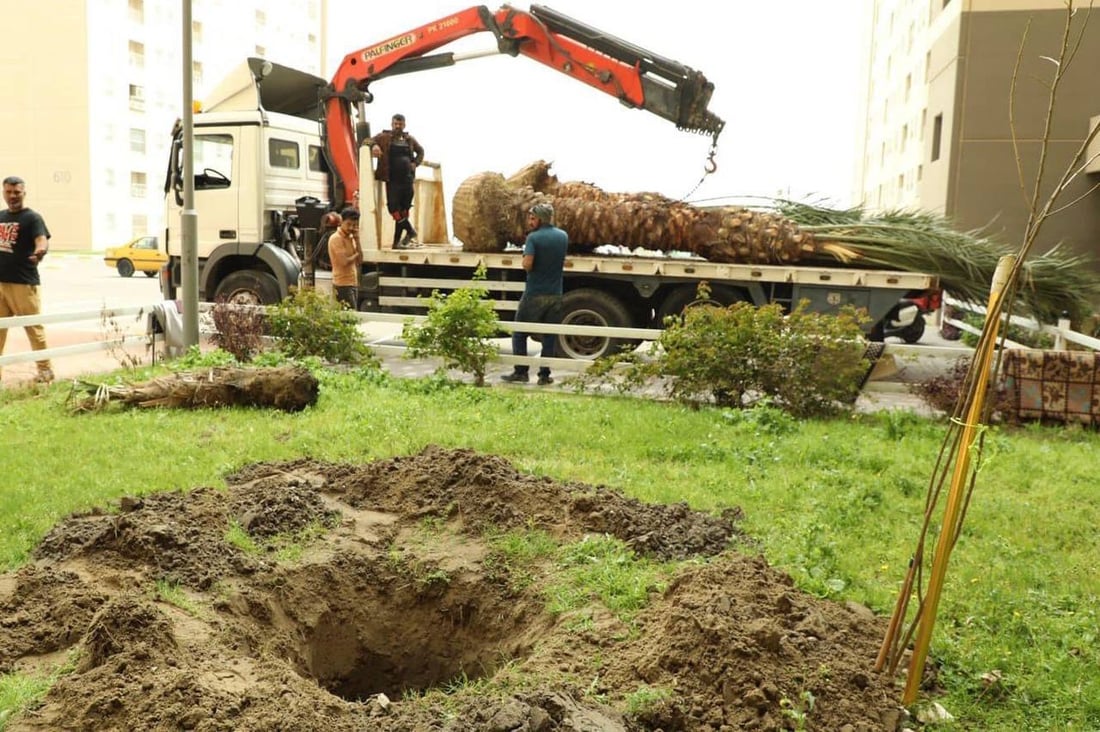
[[544, 260], [24, 241], [398, 154]]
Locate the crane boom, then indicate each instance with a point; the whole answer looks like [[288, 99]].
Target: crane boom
[[636, 77]]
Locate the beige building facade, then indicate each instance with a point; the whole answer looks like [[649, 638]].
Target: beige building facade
[[957, 104], [94, 87]]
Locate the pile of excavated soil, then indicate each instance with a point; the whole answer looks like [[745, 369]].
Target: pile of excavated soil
[[396, 612]]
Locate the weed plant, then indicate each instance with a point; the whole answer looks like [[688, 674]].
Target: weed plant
[[836, 503]]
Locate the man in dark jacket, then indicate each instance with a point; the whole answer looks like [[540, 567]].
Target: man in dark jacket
[[398, 154]]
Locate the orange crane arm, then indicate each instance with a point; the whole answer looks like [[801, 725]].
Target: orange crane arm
[[633, 75]]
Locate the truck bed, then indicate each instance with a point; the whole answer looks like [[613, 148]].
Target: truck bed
[[446, 255]]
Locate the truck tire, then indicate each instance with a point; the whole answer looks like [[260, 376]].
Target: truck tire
[[914, 331], [686, 296], [593, 307], [248, 287], [125, 268]]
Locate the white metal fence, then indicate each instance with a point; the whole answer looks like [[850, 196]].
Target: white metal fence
[[110, 336], [1062, 333]]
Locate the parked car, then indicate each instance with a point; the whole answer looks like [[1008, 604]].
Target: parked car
[[141, 255]]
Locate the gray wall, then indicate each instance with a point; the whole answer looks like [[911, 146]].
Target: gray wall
[[984, 185]]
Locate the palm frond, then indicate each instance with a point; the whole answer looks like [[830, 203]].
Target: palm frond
[[1054, 284]]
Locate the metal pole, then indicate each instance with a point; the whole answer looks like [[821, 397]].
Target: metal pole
[[189, 222]]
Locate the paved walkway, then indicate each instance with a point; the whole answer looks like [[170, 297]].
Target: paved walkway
[[890, 393]]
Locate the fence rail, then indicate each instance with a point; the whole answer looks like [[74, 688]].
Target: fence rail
[[383, 345], [1063, 333]]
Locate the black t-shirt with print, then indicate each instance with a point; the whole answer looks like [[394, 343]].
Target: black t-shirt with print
[[17, 234]]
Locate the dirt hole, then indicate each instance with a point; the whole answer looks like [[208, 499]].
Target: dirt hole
[[300, 592], [410, 634]]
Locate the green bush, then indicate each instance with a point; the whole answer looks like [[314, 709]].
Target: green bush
[[804, 363], [459, 329], [309, 323]]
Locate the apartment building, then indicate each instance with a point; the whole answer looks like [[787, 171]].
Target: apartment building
[[94, 87], [941, 134]]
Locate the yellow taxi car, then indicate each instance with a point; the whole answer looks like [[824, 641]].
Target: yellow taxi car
[[139, 255]]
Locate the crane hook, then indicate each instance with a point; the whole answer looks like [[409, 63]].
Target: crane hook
[[710, 166]]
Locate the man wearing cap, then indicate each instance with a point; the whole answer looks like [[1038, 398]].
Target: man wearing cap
[[544, 260], [345, 254], [398, 154]]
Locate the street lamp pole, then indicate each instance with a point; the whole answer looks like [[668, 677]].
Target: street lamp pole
[[189, 222]]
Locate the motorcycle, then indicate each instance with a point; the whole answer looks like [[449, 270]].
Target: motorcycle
[[905, 320]]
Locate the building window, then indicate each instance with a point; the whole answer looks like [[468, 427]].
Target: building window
[[937, 135], [137, 11], [139, 225], [282, 154], [261, 51], [137, 184], [137, 55], [904, 136], [196, 31], [137, 98], [908, 85], [137, 140], [196, 73], [261, 18]]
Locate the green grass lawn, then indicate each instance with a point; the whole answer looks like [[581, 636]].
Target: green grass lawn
[[836, 503]]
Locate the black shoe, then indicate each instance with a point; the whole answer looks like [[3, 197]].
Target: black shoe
[[515, 378], [544, 380]]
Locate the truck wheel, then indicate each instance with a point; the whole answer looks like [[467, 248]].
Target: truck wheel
[[686, 296], [248, 287], [593, 307], [125, 267], [914, 331]]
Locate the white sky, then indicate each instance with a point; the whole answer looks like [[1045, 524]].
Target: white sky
[[787, 82]]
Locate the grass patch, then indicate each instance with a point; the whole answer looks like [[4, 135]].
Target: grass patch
[[20, 691], [604, 568], [837, 503], [170, 592]]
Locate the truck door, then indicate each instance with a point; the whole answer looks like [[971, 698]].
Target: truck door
[[217, 169]]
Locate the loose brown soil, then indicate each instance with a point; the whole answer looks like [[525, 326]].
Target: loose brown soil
[[399, 614]]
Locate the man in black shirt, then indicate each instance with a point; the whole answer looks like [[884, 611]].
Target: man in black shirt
[[24, 241]]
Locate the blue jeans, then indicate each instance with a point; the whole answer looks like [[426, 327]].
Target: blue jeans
[[537, 309]]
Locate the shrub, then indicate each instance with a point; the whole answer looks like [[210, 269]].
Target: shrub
[[459, 329], [942, 392], [240, 329], [804, 363], [309, 323]]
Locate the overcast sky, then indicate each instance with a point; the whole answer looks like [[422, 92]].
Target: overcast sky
[[786, 76]]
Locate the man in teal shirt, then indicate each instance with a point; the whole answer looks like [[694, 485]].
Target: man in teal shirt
[[544, 260]]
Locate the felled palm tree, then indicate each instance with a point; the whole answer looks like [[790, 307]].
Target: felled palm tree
[[490, 210]]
